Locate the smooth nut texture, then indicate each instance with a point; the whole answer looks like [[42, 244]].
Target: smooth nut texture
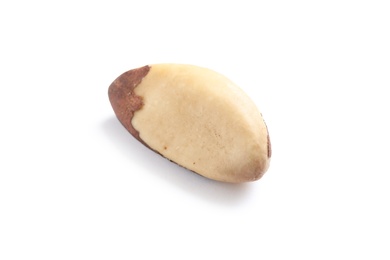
[[196, 118]]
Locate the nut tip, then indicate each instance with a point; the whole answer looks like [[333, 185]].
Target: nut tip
[[123, 99]]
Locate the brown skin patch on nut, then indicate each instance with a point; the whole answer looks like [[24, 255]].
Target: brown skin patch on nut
[[123, 99], [269, 150]]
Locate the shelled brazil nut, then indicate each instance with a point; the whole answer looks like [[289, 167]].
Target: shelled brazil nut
[[194, 117]]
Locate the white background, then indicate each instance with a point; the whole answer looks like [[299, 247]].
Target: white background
[[75, 185]]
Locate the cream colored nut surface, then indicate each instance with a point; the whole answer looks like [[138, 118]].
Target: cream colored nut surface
[[203, 122]]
